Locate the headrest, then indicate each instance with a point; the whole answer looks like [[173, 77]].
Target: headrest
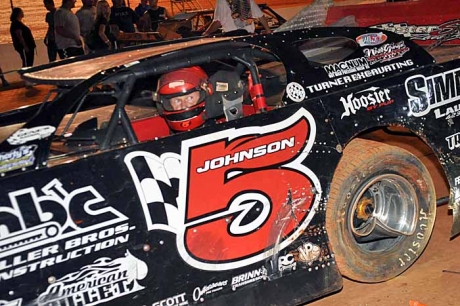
[[225, 84]]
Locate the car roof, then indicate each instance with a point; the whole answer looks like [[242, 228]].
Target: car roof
[[72, 71]]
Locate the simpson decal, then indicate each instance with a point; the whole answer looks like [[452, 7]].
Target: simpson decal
[[428, 93], [25, 135], [102, 281], [39, 231], [371, 39], [231, 186], [369, 99]]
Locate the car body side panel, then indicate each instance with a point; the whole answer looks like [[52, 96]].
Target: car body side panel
[[126, 226]]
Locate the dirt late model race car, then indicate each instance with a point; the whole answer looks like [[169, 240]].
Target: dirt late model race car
[[269, 202]]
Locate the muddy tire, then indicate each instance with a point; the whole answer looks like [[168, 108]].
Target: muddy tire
[[381, 211]]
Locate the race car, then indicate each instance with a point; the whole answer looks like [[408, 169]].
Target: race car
[[272, 198]]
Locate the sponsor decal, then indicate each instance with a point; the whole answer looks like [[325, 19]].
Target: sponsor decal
[[200, 292], [457, 181], [177, 300], [249, 277], [447, 31], [371, 39], [17, 302], [102, 281], [17, 158], [287, 263], [347, 67], [43, 230], [308, 252], [433, 92], [359, 76], [295, 92], [239, 166], [22, 136], [385, 53], [371, 98], [453, 142]]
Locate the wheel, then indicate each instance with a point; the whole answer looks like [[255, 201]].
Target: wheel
[[381, 211]]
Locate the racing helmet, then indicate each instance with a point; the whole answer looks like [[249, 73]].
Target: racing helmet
[[192, 81]]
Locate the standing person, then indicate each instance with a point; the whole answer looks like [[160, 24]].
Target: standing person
[[157, 14], [142, 8], [236, 17], [124, 17], [50, 40], [101, 28], [4, 81], [86, 17], [67, 31], [23, 40]]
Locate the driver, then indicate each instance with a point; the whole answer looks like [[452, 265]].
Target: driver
[[182, 95]]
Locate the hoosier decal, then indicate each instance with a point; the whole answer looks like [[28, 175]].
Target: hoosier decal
[[369, 99], [427, 93], [231, 187], [100, 282]]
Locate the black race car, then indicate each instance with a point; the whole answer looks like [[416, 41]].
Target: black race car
[[109, 197]]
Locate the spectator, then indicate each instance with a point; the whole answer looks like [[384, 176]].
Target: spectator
[[123, 17], [236, 17], [4, 81], [67, 31], [142, 8], [157, 14], [86, 17], [23, 40], [101, 28], [50, 40]]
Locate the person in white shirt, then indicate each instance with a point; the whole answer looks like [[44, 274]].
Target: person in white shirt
[[67, 31], [236, 16]]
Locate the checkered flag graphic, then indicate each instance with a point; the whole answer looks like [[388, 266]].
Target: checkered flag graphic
[[157, 183]]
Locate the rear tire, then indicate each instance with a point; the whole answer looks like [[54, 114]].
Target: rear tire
[[381, 211]]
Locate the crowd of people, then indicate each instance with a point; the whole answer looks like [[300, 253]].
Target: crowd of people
[[92, 28]]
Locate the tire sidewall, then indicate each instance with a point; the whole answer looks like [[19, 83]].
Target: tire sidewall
[[392, 262]]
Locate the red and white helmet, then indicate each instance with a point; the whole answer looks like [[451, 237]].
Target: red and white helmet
[[181, 82]]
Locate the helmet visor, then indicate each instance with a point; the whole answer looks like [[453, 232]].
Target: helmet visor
[[182, 101]]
